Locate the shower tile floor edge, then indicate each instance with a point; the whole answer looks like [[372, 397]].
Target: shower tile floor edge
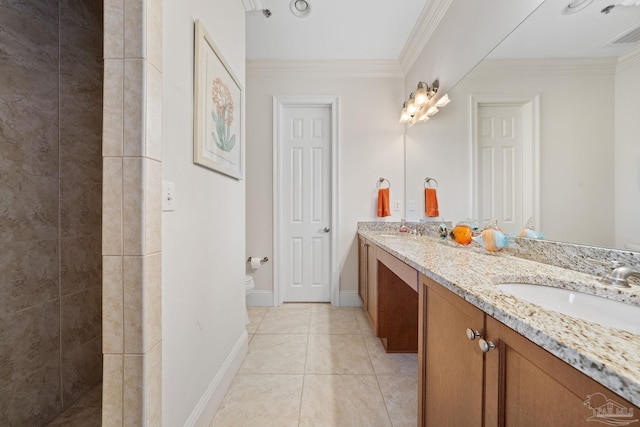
[[86, 412]]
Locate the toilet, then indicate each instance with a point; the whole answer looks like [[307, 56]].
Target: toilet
[[249, 284]]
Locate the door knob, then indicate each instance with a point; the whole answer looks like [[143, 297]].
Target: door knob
[[473, 334], [324, 230], [485, 346]]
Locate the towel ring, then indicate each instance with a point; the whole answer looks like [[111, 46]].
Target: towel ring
[[382, 180], [428, 180]]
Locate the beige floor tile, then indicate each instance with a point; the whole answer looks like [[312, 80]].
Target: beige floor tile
[[261, 400], [390, 363], [275, 354], [400, 394], [365, 325], [255, 317], [337, 354], [342, 400], [334, 321], [285, 321]]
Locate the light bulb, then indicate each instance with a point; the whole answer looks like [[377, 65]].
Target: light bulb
[[404, 116], [421, 94], [412, 108]]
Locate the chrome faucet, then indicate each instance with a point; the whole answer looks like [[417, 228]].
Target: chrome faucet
[[618, 276]]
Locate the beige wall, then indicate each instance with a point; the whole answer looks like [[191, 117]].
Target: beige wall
[[203, 239], [50, 207], [370, 146], [627, 151]]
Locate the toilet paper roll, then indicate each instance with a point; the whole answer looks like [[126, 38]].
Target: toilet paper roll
[[255, 263]]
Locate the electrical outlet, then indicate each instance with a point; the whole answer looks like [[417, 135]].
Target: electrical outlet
[[412, 205], [168, 196], [396, 205]]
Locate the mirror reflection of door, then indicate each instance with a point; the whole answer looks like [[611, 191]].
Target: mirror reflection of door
[[505, 165]]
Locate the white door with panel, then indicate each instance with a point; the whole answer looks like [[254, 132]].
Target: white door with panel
[[502, 167], [306, 204]]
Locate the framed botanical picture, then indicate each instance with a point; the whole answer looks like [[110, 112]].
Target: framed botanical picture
[[217, 110]]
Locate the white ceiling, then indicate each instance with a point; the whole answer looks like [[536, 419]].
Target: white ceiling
[[547, 33], [335, 29], [379, 29]]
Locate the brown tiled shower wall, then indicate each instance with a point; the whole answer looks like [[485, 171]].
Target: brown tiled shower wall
[[51, 79]]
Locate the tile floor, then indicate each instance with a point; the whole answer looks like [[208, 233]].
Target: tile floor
[[315, 365], [86, 412]]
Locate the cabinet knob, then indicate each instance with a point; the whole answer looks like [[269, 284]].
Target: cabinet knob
[[485, 346], [473, 334]]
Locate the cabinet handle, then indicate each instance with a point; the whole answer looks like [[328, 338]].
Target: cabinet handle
[[473, 334], [485, 346]]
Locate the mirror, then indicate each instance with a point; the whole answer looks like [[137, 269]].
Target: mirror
[[578, 85]]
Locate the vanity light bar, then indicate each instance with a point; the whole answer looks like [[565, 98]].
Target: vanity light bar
[[422, 103]]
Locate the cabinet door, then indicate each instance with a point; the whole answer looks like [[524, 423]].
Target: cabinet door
[[372, 286], [535, 388], [362, 271], [451, 365]]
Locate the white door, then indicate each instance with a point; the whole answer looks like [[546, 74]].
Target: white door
[[501, 166], [306, 204]]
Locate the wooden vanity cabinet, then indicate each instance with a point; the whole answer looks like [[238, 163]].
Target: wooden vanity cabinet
[[368, 280], [362, 270], [526, 386], [397, 304], [515, 384], [450, 365]]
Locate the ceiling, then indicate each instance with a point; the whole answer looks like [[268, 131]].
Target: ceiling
[[334, 29], [548, 33], [379, 30]]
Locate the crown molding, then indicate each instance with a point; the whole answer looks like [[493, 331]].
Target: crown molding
[[329, 68], [629, 60], [422, 31], [550, 67]]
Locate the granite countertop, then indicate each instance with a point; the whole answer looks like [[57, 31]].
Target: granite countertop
[[609, 356]]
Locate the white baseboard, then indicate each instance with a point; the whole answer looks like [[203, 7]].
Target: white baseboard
[[350, 299], [206, 408], [260, 299]]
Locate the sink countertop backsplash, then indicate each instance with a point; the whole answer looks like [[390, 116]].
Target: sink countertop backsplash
[[609, 356]]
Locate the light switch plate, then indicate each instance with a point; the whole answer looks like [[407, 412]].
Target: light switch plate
[[412, 205], [168, 196], [396, 205]]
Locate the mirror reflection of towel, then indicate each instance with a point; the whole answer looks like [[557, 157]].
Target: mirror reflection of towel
[[383, 203], [431, 202]]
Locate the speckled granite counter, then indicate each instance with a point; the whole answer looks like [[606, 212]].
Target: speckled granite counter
[[609, 356]]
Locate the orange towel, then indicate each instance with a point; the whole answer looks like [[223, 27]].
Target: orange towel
[[431, 202], [383, 203]]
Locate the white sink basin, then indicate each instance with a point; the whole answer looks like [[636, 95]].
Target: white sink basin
[[588, 307]]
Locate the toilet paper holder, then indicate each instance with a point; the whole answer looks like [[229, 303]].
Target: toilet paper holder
[[262, 261]]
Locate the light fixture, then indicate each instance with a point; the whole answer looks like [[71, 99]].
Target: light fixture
[[443, 101], [300, 8], [404, 116], [422, 94], [412, 108], [422, 103], [575, 6]]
